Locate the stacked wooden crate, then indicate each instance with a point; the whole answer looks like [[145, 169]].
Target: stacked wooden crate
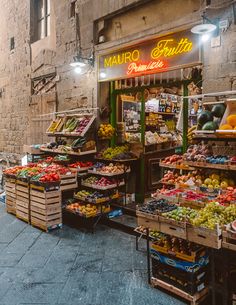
[[22, 200], [45, 207], [69, 181], [10, 189]]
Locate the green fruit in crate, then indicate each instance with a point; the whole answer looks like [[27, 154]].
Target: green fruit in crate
[[218, 110], [204, 117], [210, 126]]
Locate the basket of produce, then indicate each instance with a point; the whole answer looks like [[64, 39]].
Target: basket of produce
[[223, 150], [78, 143], [106, 131], [61, 159]]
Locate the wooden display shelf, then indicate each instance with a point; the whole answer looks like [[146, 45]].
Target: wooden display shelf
[[176, 166], [194, 299], [229, 239], [146, 220], [116, 160], [210, 165], [73, 134], [107, 174], [57, 151], [173, 227], [95, 201], [69, 182], [103, 188], [204, 236]]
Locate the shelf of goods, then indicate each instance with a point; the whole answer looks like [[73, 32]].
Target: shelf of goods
[[33, 192], [216, 120], [103, 181], [71, 126], [179, 266], [197, 204], [72, 153], [159, 118]]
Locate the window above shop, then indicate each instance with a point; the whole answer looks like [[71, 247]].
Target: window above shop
[[40, 19]]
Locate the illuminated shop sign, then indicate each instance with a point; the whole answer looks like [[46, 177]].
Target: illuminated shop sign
[[161, 54]]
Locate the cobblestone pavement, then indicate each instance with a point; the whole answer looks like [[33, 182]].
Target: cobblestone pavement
[[69, 267]]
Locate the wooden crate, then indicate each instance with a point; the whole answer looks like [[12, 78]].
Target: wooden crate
[[173, 227], [22, 200], [148, 220], [69, 182], [205, 237], [10, 190], [195, 299], [229, 239], [45, 207]]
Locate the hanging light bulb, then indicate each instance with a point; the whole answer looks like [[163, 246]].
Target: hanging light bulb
[[78, 70], [205, 37]]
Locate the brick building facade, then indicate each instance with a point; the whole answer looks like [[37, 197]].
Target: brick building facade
[[35, 75]]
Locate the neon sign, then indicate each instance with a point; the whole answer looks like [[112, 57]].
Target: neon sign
[[171, 47], [134, 67], [160, 54], [121, 58]]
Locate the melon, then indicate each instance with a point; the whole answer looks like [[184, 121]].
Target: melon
[[218, 110], [204, 117], [210, 126], [231, 120], [226, 127]]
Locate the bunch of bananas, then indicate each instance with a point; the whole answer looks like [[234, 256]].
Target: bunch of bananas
[[191, 133]]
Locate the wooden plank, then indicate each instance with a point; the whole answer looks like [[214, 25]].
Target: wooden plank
[[45, 195], [69, 186], [22, 194], [68, 181], [45, 227], [46, 218], [22, 215], [22, 204], [43, 206], [45, 201], [49, 211], [10, 199], [204, 237], [24, 199], [10, 185], [22, 189], [22, 183], [11, 194], [11, 210], [22, 209], [192, 298]]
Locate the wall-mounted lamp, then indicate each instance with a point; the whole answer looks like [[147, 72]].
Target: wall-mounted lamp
[[80, 61], [205, 29]]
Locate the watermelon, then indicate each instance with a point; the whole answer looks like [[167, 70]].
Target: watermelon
[[204, 117], [218, 110], [210, 126]]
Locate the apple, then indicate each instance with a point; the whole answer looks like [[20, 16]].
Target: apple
[[224, 184]]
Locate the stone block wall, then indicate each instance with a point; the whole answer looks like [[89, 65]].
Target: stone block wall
[[53, 55]]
